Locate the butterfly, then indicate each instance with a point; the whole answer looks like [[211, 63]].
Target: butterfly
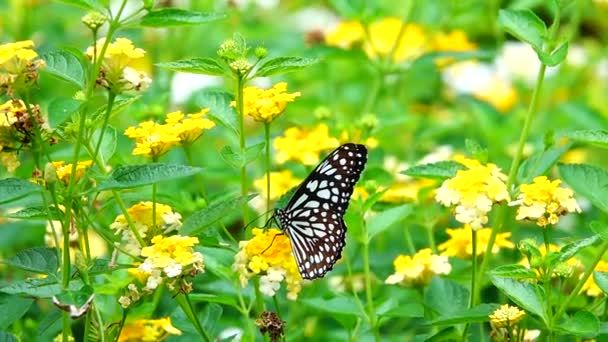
[[313, 218]]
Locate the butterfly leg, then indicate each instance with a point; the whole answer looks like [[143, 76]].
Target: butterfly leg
[[271, 242]]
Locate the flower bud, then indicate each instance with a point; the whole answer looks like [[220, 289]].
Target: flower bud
[[50, 175], [94, 20], [322, 113], [241, 66], [261, 52], [369, 121]]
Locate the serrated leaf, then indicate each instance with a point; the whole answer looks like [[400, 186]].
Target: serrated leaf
[[385, 219], [75, 302], [601, 279], [237, 160], [108, 144], [37, 213], [524, 25], [36, 259], [15, 188], [207, 216], [7, 337], [220, 110], [476, 150], [527, 295], [118, 106], [12, 308], [446, 296], [165, 17], [599, 228], [281, 65], [570, 250], [478, 313], [38, 288], [132, 176], [515, 271], [64, 65], [199, 65], [540, 163], [582, 324], [588, 181], [439, 170], [555, 57], [598, 137], [60, 109]]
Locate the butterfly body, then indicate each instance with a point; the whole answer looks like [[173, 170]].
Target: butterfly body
[[313, 218]]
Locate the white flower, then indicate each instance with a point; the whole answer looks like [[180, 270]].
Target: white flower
[[173, 271], [271, 282], [154, 280], [147, 266], [440, 265], [124, 301], [395, 278], [518, 60]]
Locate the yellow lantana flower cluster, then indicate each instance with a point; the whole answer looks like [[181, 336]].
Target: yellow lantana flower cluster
[[64, 170], [153, 139], [18, 65], [544, 201], [460, 244], [506, 316], [590, 287], [504, 322], [265, 105], [302, 145], [118, 71], [147, 226], [473, 191], [148, 330], [282, 181], [418, 269], [268, 254]]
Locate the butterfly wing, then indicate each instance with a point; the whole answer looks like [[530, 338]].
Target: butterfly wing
[[313, 217]]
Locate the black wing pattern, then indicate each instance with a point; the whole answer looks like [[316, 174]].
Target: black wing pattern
[[313, 217]]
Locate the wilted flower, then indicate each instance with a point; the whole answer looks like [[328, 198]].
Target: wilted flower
[[544, 201], [268, 254], [148, 330], [460, 244], [265, 105], [473, 191], [117, 70], [18, 65], [270, 323], [304, 145], [418, 269]]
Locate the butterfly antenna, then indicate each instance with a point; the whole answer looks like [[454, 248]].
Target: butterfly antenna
[[271, 242], [255, 219]]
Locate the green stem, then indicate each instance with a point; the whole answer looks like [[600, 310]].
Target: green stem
[[431, 237], [121, 324], [125, 212], [184, 302], [259, 297], [562, 308], [547, 276], [371, 314], [198, 177], [106, 118], [267, 138], [473, 278], [277, 308], [245, 312], [408, 239], [240, 83], [154, 188]]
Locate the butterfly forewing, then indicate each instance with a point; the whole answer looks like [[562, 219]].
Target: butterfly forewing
[[313, 217]]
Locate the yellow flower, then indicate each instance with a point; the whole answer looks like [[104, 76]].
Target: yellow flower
[[460, 243], [456, 40], [473, 191], [345, 34], [269, 255], [407, 191], [190, 127], [590, 287], [141, 216], [119, 66], [9, 160], [357, 137], [64, 170], [418, 269], [383, 35], [148, 330], [544, 201], [152, 139], [18, 64], [497, 92], [303, 145], [17, 126], [506, 316], [265, 105], [280, 183]]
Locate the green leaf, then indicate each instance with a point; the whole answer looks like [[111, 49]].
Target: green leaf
[[598, 137], [39, 288], [108, 144], [210, 317], [446, 297], [237, 160], [214, 298], [528, 296], [165, 17], [37, 213], [132, 176], [540, 163], [281, 65], [86, 4], [588, 181], [12, 308], [220, 110], [570, 250], [60, 109], [199, 65], [476, 150], [524, 25], [36, 259], [15, 188], [75, 302], [338, 305], [515, 271], [207, 216], [601, 279], [385, 219], [7, 337], [582, 324], [555, 57], [447, 334], [599, 228], [478, 313], [65, 66], [118, 106], [439, 170]]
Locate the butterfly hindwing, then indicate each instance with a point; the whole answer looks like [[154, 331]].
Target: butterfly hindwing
[[313, 218]]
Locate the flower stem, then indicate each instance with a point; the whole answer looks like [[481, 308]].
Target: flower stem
[[106, 118], [240, 83], [184, 302], [371, 314], [267, 139], [198, 177], [473, 278]]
